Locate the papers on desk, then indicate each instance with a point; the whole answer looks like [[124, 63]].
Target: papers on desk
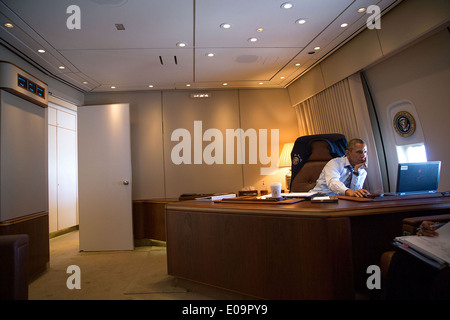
[[217, 197], [324, 199], [433, 250], [291, 195]]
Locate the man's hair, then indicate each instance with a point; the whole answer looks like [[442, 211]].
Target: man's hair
[[351, 144]]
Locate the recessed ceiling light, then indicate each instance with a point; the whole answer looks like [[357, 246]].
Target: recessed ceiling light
[[209, 54], [41, 51], [317, 48], [300, 21], [113, 87], [62, 67], [282, 77], [297, 64], [150, 86], [181, 44], [344, 25], [287, 5], [225, 26], [361, 9], [225, 84], [85, 82], [8, 25], [261, 83], [252, 39], [260, 29], [188, 85]]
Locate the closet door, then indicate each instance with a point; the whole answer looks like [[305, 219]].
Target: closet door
[[62, 168], [67, 178], [52, 176]]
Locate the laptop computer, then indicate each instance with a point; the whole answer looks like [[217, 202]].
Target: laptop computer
[[418, 177]]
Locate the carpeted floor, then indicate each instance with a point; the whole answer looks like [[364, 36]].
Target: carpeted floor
[[124, 275]]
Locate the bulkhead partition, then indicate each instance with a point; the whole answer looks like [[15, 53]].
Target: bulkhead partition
[[23, 144]]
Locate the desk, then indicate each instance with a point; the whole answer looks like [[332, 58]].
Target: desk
[[297, 251]]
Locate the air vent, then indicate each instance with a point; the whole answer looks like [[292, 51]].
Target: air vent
[[161, 60], [119, 26]]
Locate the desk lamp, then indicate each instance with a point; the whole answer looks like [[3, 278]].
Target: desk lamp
[[285, 161]]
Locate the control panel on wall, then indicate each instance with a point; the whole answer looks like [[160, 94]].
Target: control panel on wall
[[29, 85], [20, 83]]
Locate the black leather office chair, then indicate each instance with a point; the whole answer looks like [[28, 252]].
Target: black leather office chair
[[310, 154]]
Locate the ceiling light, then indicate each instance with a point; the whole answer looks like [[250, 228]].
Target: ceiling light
[[8, 25], [286, 5], [62, 67], [85, 82], [297, 64], [181, 44], [300, 21], [41, 51], [150, 86], [344, 25], [252, 39], [113, 87], [282, 77], [188, 85], [209, 54], [200, 95], [225, 26], [361, 9], [225, 84], [260, 29], [261, 83], [317, 48]]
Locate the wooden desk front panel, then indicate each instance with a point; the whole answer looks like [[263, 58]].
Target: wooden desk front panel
[[264, 256], [298, 251]]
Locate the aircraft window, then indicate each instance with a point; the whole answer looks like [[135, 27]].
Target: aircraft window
[[412, 153]]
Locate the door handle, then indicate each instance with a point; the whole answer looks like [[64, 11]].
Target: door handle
[[125, 182]]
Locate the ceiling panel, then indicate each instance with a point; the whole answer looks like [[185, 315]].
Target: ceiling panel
[[240, 64], [98, 56], [119, 67], [280, 29]]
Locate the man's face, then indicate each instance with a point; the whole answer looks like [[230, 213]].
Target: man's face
[[357, 155]]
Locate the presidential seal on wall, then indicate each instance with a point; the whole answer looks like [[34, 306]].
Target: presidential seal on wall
[[404, 124]]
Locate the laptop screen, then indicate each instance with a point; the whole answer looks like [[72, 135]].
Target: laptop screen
[[420, 177]]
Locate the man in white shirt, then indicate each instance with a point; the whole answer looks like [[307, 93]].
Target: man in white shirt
[[345, 175]]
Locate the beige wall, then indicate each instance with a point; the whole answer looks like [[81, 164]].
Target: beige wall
[[155, 116], [23, 158]]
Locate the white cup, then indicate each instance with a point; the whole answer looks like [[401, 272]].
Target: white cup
[[275, 188]]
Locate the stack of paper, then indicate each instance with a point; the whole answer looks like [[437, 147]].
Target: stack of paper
[[433, 250]]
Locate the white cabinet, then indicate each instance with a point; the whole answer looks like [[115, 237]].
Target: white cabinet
[[62, 168]]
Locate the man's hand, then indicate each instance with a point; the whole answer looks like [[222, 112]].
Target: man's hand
[[427, 228], [360, 165], [360, 193]]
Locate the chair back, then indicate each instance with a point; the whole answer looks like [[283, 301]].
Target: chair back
[[310, 154]]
